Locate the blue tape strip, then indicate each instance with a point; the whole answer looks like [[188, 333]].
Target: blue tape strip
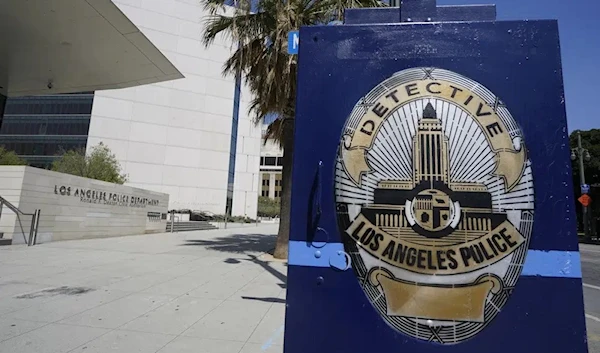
[[552, 264], [303, 254], [564, 264]]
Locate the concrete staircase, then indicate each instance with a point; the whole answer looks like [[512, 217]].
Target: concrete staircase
[[4, 241], [190, 226]]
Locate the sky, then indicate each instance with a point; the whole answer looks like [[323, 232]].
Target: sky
[[579, 27]]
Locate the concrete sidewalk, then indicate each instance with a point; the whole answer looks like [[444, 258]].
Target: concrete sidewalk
[[196, 292]]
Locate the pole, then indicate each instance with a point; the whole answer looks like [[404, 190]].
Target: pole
[[36, 225], [31, 230], [586, 228], [172, 220], [35, 218]]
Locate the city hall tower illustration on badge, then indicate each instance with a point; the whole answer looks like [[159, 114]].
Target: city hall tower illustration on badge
[[435, 199], [429, 209]]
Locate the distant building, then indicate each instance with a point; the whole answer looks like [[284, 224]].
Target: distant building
[[175, 124], [271, 167]]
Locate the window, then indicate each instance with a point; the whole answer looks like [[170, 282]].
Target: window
[[38, 128], [266, 181], [55, 104], [38, 149], [270, 161]]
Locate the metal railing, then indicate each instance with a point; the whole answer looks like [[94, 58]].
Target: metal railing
[[35, 220]]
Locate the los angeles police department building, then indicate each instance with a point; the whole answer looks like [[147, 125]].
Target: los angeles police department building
[[176, 125]]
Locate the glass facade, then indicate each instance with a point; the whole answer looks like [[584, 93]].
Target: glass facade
[[2, 103], [233, 143], [39, 128]]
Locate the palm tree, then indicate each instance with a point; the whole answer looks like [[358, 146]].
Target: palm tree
[[270, 73]]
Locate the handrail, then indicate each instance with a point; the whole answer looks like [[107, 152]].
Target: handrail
[[34, 220], [13, 208]]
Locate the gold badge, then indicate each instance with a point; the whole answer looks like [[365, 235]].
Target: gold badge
[[435, 196]]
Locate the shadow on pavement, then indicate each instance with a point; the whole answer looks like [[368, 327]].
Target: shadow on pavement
[[245, 244], [268, 300], [268, 268], [236, 243]]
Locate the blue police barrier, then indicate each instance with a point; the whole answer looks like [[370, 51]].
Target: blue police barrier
[[432, 204]]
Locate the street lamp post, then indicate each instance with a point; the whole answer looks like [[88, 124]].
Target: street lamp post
[[582, 154]]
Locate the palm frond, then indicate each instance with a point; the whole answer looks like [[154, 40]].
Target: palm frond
[[274, 131], [261, 55]]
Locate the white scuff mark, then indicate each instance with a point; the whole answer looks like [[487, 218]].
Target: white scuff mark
[[591, 286], [567, 267], [271, 339], [592, 317]]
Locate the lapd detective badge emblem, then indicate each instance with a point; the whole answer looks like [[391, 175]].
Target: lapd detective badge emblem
[[435, 196]]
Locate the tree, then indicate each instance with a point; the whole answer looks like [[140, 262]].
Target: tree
[[268, 207], [10, 158], [270, 73], [99, 164]]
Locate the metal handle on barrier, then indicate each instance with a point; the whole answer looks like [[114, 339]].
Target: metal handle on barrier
[[319, 187], [314, 227], [340, 261]]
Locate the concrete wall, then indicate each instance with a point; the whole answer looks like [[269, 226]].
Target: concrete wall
[[247, 166], [104, 210], [174, 137], [11, 181]]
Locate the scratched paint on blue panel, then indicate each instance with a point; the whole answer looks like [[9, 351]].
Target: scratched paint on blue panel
[[517, 61]]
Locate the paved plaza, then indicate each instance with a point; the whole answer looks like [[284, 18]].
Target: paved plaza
[[193, 292]]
